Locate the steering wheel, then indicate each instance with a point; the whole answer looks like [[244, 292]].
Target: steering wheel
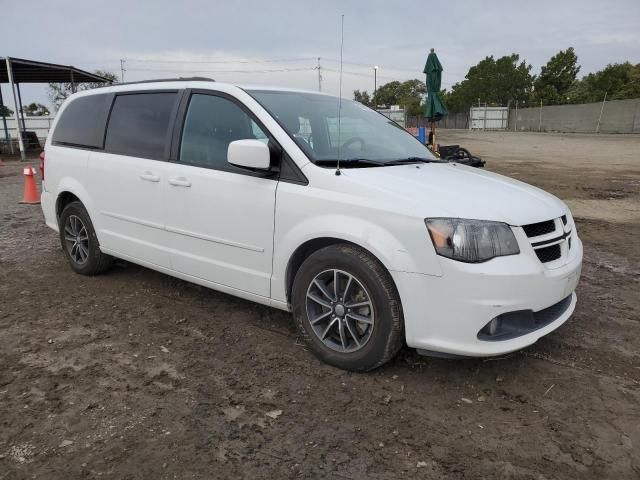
[[353, 140]]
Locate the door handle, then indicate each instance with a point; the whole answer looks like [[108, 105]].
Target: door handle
[[150, 177], [180, 182]]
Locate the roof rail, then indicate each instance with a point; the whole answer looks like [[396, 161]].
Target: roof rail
[[158, 80]]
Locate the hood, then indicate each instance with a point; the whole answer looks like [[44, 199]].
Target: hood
[[452, 190]]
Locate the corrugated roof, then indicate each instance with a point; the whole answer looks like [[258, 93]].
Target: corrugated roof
[[31, 71]]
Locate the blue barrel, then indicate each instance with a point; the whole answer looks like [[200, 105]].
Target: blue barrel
[[422, 135]]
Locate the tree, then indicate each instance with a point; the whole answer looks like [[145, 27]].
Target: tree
[[58, 92], [362, 97], [35, 110], [407, 94], [556, 78], [495, 82], [5, 111], [619, 81], [387, 94]]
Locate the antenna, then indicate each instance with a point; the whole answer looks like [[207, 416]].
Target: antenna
[[340, 91]]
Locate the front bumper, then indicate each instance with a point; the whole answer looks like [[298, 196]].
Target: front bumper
[[445, 313]]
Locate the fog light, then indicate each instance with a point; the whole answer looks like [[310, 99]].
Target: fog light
[[493, 326]]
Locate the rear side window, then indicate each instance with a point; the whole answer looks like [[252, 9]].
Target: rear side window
[[82, 122], [139, 123]]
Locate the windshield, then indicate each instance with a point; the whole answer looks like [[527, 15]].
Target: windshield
[[365, 137]]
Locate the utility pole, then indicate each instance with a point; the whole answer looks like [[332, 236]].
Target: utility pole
[[319, 68], [122, 70], [601, 110], [540, 121], [375, 87]]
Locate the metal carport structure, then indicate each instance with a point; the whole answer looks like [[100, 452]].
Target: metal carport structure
[[15, 71]]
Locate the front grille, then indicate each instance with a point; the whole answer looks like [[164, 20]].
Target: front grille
[[540, 228], [550, 249], [549, 254]]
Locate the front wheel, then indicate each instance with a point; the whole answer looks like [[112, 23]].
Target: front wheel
[[347, 308]]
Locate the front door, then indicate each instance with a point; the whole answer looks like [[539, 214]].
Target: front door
[[219, 217]]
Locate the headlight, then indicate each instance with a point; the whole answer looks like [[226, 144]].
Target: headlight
[[471, 241]]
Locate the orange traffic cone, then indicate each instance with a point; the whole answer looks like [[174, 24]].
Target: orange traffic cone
[[31, 194]]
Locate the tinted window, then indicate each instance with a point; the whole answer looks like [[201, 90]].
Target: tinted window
[[211, 124], [82, 122], [138, 124], [312, 121]]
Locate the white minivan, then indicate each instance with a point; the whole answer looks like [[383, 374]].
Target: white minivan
[[324, 208]]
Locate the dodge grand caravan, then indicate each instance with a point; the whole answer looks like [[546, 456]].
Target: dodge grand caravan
[[304, 203]]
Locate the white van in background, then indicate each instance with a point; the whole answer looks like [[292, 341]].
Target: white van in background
[[280, 197]]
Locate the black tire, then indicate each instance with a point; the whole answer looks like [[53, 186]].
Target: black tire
[[95, 261], [387, 334], [463, 153]]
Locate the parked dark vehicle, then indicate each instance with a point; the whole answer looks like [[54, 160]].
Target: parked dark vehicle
[[457, 154]]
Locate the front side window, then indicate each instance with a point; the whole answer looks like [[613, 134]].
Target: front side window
[[359, 133], [211, 124], [139, 123]]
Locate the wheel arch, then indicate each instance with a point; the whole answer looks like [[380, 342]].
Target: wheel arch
[[71, 190], [64, 199], [303, 251]]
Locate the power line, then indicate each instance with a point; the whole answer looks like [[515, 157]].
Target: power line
[[272, 60], [368, 75], [386, 67], [319, 67], [270, 70], [267, 60], [370, 65], [360, 74]]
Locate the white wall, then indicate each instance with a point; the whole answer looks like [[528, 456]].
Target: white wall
[[489, 118], [40, 125]]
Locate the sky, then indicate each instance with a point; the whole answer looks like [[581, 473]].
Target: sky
[[278, 42]]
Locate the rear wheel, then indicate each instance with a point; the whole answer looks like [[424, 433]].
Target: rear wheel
[[79, 241], [347, 308]]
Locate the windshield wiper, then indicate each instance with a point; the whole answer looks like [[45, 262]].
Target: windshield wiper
[[349, 162], [403, 161]]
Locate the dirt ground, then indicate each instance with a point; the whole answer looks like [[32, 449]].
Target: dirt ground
[[136, 375]]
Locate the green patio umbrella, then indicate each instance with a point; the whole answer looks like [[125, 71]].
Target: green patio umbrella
[[435, 109]]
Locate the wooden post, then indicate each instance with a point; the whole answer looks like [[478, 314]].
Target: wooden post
[[434, 145]]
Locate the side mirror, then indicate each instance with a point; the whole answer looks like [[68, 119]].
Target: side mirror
[[251, 154]]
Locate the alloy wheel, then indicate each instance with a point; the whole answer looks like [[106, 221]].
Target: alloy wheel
[[340, 310], [76, 239]]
